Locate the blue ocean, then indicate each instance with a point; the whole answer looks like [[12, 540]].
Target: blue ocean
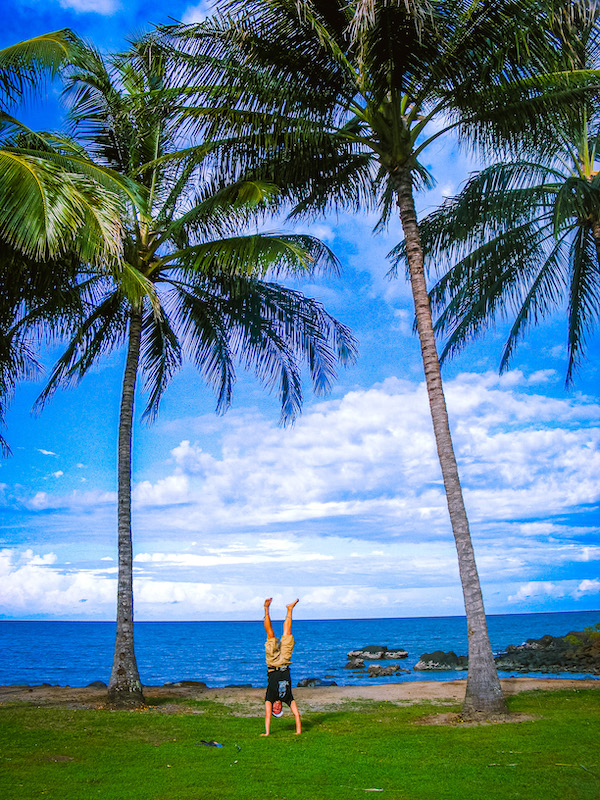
[[229, 653]]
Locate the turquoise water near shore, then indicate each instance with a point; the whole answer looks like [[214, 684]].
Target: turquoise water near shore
[[225, 653]]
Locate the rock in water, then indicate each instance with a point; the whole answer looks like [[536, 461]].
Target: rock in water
[[397, 652], [441, 662], [312, 683], [378, 652], [379, 671], [355, 663], [578, 651], [370, 652]]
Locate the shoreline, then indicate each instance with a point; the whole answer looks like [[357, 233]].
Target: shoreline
[[250, 701]]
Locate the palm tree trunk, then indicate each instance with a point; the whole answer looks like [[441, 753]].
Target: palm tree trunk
[[124, 688], [483, 693]]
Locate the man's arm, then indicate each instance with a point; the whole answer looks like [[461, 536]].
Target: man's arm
[[268, 712], [296, 714]]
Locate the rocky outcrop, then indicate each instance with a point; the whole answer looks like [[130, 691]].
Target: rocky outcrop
[[373, 652], [379, 671], [314, 682], [441, 662], [578, 651], [355, 663], [396, 652], [370, 652]]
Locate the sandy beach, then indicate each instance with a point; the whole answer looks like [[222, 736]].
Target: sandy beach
[[249, 701]]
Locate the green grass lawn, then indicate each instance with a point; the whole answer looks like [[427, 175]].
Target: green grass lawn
[[118, 755]]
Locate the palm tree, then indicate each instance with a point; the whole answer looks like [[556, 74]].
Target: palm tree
[[193, 282], [343, 99], [522, 240]]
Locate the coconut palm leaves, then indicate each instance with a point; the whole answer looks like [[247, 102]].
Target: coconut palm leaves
[[522, 240], [23, 64], [53, 214], [520, 243], [40, 200], [42, 193]]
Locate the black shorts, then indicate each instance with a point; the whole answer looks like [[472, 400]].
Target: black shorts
[[279, 686]]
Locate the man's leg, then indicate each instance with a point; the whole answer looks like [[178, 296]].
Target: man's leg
[[287, 640], [268, 625], [287, 625], [272, 645]]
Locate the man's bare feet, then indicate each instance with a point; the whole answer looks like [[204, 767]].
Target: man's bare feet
[[290, 606], [268, 602]]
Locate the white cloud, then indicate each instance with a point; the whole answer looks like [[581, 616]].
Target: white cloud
[[403, 321], [39, 501], [542, 376], [199, 12], [42, 501], [29, 582], [190, 560], [322, 231], [46, 452], [368, 461], [352, 496], [174, 489], [103, 7], [38, 560], [333, 577], [371, 455], [192, 459], [537, 589], [588, 587], [554, 589]]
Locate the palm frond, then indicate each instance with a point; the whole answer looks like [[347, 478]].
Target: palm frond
[[39, 202], [584, 296], [22, 65], [259, 254], [160, 358], [103, 330], [270, 330], [545, 295]]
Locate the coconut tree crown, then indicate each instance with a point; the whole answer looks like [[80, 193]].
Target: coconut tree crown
[[522, 240]]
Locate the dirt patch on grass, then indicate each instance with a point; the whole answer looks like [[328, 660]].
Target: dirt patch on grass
[[246, 701], [456, 721]]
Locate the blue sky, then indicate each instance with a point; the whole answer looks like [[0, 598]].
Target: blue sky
[[345, 509]]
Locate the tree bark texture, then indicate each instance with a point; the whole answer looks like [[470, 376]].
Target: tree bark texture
[[125, 688], [483, 692]]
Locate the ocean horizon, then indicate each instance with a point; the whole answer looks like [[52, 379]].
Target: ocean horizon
[[76, 653]]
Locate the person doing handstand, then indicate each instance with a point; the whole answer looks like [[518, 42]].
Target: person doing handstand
[[279, 656]]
